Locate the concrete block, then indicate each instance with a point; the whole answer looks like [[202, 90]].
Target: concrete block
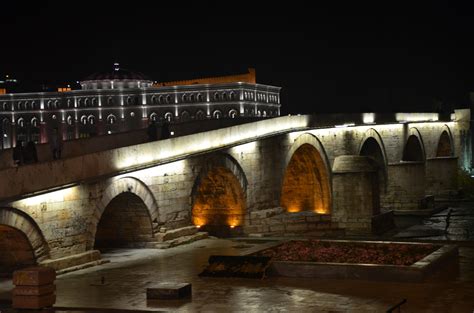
[[34, 276], [166, 291], [33, 302]]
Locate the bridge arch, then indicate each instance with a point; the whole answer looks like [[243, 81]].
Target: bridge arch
[[445, 146], [21, 241], [218, 196], [139, 200], [414, 149], [372, 146], [306, 184]]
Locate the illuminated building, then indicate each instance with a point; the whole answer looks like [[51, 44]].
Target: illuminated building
[[122, 100]]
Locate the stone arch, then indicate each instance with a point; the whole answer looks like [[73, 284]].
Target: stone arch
[[25, 230], [445, 143], [306, 183], [120, 186], [414, 149], [372, 146], [219, 194]]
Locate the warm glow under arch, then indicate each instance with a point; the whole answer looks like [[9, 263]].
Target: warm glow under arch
[[306, 182], [218, 196], [445, 146]]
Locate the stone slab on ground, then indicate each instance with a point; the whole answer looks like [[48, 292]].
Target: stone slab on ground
[[34, 276], [33, 302], [72, 260], [181, 240], [165, 291], [176, 233], [34, 290]]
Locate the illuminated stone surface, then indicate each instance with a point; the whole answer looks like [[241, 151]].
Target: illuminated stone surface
[[287, 160]]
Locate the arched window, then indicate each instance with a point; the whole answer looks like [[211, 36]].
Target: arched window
[[27, 105], [34, 122], [168, 99], [153, 99], [19, 105], [91, 119], [224, 96], [33, 105], [184, 98], [129, 100], [94, 102], [21, 122], [232, 95], [69, 103], [69, 120], [200, 115], [153, 117], [184, 116], [4, 106], [200, 98], [233, 113], [216, 96], [191, 98], [84, 120], [56, 104], [264, 113], [217, 114], [259, 113], [111, 119], [79, 102], [110, 101], [168, 116], [161, 99]]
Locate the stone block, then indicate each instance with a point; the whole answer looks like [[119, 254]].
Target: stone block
[[166, 291], [33, 302], [34, 276], [34, 290]]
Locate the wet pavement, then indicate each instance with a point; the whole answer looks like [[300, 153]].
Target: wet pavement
[[121, 284], [461, 225], [132, 271]]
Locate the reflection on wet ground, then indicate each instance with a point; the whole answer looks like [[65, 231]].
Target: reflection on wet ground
[[461, 225], [122, 283], [132, 271]]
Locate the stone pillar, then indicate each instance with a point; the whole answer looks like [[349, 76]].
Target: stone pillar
[[355, 193], [441, 176], [406, 186]]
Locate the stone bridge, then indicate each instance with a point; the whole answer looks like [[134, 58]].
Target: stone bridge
[[289, 175]]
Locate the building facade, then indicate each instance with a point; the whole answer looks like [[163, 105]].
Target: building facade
[[122, 100]]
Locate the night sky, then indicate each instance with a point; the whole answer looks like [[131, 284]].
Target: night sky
[[327, 59]]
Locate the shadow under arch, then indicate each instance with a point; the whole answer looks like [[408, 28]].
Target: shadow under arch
[[372, 146], [306, 183], [445, 146], [414, 149], [218, 196], [21, 241], [131, 190]]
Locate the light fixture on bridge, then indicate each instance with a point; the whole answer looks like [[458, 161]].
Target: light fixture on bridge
[[368, 118], [345, 125]]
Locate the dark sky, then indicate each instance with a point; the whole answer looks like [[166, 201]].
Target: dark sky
[[328, 58]]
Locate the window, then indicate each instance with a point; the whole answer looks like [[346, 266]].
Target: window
[[232, 113], [153, 117], [34, 122], [200, 98], [168, 116], [91, 119], [200, 115], [217, 114], [110, 101], [184, 116], [84, 120], [69, 120], [21, 122], [111, 119]]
